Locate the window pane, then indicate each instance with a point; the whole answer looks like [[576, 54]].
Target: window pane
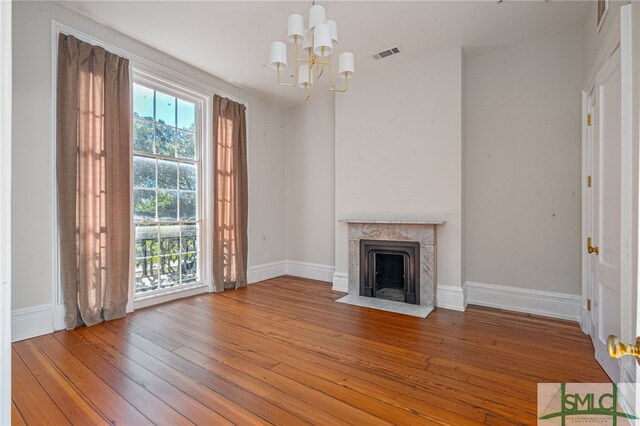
[[187, 205], [143, 136], [170, 239], [169, 271], [146, 240], [186, 145], [189, 268], [165, 140], [167, 205], [144, 172], [142, 102], [186, 115], [146, 274], [167, 174], [165, 109], [188, 179], [189, 238], [144, 204]]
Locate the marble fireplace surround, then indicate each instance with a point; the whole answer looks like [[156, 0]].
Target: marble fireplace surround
[[421, 231]]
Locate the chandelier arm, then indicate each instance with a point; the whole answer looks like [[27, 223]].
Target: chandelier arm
[[321, 63], [285, 84], [331, 73], [346, 85]]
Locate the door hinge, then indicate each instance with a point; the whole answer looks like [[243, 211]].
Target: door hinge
[[589, 305], [589, 120], [588, 181]]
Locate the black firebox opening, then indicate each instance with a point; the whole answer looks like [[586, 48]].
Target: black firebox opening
[[390, 276], [390, 270]]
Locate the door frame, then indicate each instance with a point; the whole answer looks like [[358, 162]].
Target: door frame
[[5, 212]]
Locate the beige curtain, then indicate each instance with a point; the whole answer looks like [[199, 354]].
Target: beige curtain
[[93, 178], [230, 195]]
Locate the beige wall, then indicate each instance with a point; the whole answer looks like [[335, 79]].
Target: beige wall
[[399, 152], [33, 151], [522, 156], [309, 161]]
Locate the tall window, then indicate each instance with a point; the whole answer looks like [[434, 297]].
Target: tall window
[[166, 195]]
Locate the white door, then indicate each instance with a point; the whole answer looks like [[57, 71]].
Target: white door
[[630, 137], [604, 215], [615, 137]]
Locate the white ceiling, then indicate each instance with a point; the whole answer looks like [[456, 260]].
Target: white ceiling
[[230, 39]]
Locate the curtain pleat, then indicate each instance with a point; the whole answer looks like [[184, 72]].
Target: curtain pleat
[[93, 180], [230, 195]]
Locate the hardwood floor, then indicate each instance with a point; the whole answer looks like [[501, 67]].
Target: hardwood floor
[[282, 352]]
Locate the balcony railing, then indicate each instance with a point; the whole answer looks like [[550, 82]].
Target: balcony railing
[[165, 262]]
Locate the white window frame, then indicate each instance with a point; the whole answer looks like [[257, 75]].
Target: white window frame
[[144, 68], [203, 217]]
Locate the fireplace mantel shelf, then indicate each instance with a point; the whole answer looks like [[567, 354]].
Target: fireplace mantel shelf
[[426, 221]]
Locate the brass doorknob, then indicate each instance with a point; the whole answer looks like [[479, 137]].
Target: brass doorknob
[[591, 249], [618, 348]]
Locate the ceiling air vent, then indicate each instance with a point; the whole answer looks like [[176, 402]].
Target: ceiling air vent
[[386, 53]]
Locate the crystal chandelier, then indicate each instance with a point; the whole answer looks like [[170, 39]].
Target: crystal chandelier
[[318, 42]]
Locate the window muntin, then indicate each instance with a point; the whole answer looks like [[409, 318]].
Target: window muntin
[[166, 171]]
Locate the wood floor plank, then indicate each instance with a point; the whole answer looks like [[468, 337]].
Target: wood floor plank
[[16, 417], [284, 352], [195, 389], [65, 396], [268, 410], [304, 401], [111, 404], [31, 400], [164, 391]]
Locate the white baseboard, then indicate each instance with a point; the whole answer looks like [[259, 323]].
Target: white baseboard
[[313, 271], [294, 268], [340, 282], [31, 322], [451, 297], [266, 271], [546, 303]]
